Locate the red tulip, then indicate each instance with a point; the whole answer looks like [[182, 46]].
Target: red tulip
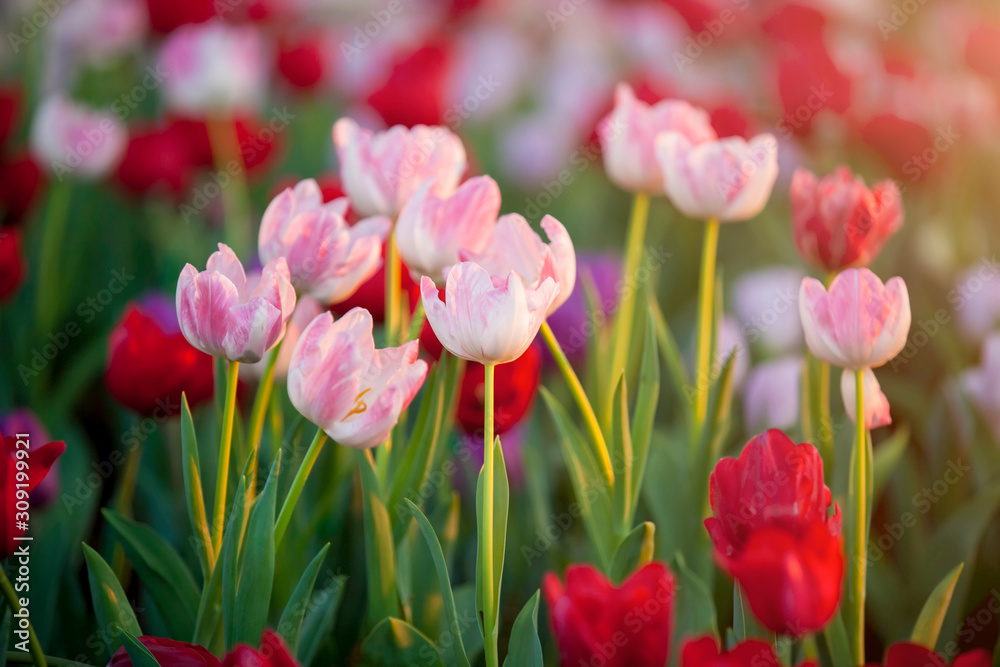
[[168, 653], [301, 62], [839, 222], [160, 158], [515, 386], [628, 626], [416, 90], [166, 15], [901, 143], [11, 262], [150, 362], [272, 653], [704, 652], [16, 469], [772, 532], [905, 654]]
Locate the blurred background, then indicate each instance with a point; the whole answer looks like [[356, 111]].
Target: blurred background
[[136, 134]]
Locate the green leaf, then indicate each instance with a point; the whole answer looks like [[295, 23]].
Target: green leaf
[[887, 457], [501, 504], [644, 413], [444, 581], [635, 551], [192, 489], [621, 457], [670, 353], [291, 618], [207, 626], [525, 649], [395, 642], [380, 553], [928, 626], [695, 598], [163, 573], [256, 570], [837, 642], [229, 561], [318, 623], [111, 607], [138, 654], [5, 634]]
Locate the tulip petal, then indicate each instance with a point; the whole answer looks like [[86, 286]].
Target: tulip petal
[[876, 404]]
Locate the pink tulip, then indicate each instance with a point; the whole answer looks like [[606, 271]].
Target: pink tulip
[[727, 180], [99, 29], [516, 247], [341, 383], [860, 323], [840, 223], [486, 318], [214, 66], [219, 317], [982, 384], [70, 138], [327, 258], [382, 170], [629, 132], [876, 404], [432, 230], [306, 310], [771, 395]]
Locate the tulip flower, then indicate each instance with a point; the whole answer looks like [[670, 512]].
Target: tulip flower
[[23, 420], [327, 258], [767, 304], [150, 363], [72, 139], [516, 385], [168, 653], [875, 403], [840, 223], [771, 394], [907, 654], [626, 626], [431, 230], [273, 652], [307, 309], [341, 383], [165, 16], [218, 316], [487, 319], [381, 171], [771, 531], [98, 30], [514, 246], [11, 262], [214, 67], [725, 180], [370, 295], [40, 460], [977, 291], [982, 384], [704, 652], [629, 132]]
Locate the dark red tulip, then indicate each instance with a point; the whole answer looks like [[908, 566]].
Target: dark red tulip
[[21, 421], [515, 385], [160, 158], [773, 532], [704, 652], [168, 653], [905, 654], [166, 15], [838, 222], [21, 181], [416, 90], [627, 626], [11, 262], [16, 469], [10, 109], [150, 362], [272, 653], [301, 62]]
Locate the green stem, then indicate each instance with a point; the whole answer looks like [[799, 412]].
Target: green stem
[[392, 269], [34, 646], [486, 526], [225, 447], [586, 409], [824, 430], [860, 489], [315, 447], [47, 297], [260, 403], [625, 316], [706, 292]]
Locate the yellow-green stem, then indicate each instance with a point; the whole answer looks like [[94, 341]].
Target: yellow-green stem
[[586, 409], [860, 490], [34, 647], [49, 292], [315, 447], [392, 269], [626, 309], [824, 431], [257, 414], [225, 447], [486, 526], [706, 291]]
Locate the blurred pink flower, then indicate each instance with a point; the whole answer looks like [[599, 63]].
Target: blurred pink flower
[[976, 300], [432, 230], [99, 29], [516, 247], [982, 384], [213, 67], [341, 383], [771, 396], [729, 340], [71, 139], [728, 180], [219, 316], [629, 132], [486, 318], [767, 304], [860, 323], [327, 258], [839, 222], [382, 170], [876, 404]]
